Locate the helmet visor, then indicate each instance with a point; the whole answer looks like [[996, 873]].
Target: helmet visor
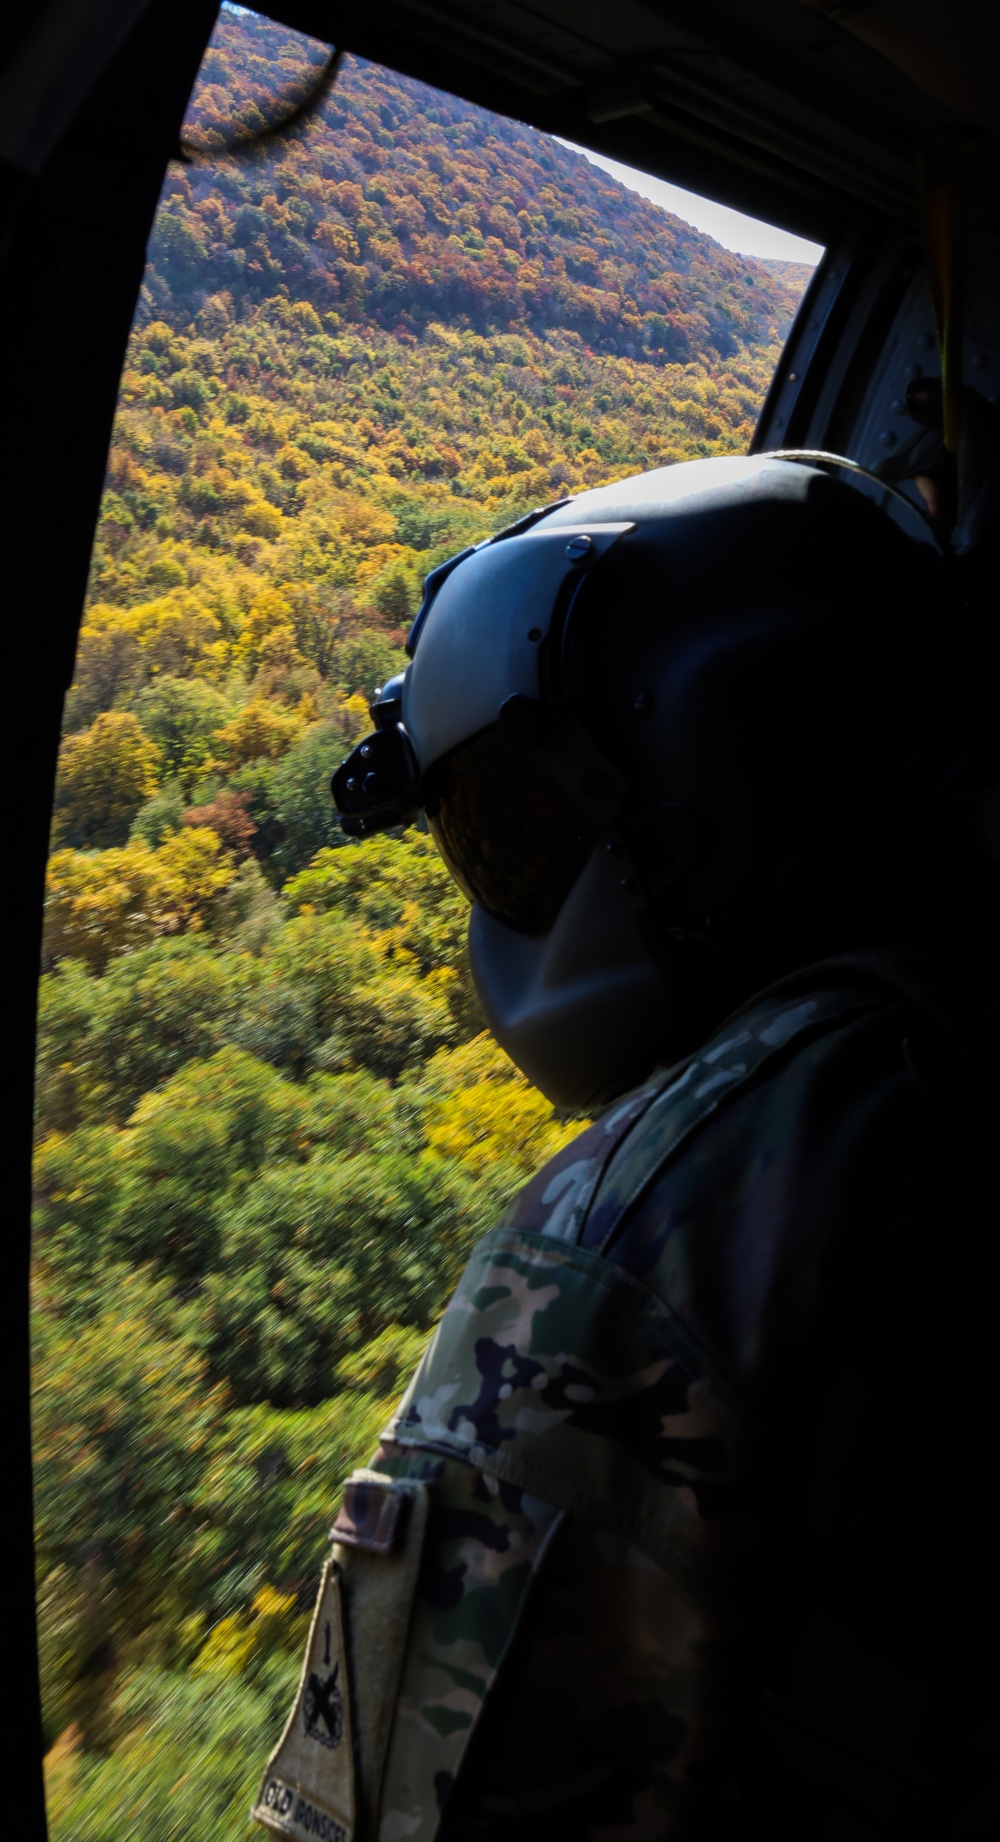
[[510, 835]]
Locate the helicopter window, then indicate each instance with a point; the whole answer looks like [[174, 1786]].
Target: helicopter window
[[269, 1124]]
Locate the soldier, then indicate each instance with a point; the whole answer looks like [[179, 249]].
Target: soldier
[[684, 1524]]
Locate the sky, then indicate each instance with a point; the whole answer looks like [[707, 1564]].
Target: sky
[[747, 235]]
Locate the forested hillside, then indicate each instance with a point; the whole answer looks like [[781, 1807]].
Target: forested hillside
[[269, 1125], [401, 206]]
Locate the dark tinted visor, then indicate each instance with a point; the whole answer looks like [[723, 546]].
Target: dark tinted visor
[[510, 835]]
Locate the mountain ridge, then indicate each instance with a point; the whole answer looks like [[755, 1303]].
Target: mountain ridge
[[402, 205]]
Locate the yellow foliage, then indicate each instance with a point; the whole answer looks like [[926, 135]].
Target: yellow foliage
[[237, 1642], [356, 710], [198, 868], [486, 1113], [261, 518], [101, 903], [293, 464], [175, 633], [337, 239], [101, 614], [538, 444], [378, 557], [279, 652], [304, 315], [267, 636], [261, 731], [105, 774], [62, 1769], [362, 522], [268, 610]]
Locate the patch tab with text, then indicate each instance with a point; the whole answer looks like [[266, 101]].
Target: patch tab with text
[[308, 1790]]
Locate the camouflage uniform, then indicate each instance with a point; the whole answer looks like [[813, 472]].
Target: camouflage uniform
[[697, 1469]]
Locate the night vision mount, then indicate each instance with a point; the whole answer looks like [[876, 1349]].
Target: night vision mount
[[378, 785]]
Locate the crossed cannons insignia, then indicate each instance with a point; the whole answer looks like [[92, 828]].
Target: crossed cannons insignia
[[323, 1708]]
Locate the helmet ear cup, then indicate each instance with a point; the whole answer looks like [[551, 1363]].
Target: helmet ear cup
[[807, 884], [665, 842], [789, 898], [772, 675]]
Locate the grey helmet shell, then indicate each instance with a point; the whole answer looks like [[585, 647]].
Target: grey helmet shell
[[730, 666]]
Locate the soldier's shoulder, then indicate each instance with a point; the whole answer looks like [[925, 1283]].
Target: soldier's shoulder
[[759, 1205], [570, 1197]]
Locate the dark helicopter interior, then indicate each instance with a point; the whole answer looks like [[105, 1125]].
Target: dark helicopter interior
[[812, 114]]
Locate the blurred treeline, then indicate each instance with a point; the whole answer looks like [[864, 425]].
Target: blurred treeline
[[269, 1124]]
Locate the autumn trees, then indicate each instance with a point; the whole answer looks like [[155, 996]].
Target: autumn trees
[[269, 1123], [402, 206]]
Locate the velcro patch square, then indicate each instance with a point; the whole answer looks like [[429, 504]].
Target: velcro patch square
[[372, 1514]]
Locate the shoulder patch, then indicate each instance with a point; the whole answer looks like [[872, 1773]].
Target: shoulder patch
[[324, 1777], [308, 1788]]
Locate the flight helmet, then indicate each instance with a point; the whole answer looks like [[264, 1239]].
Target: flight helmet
[[666, 711]]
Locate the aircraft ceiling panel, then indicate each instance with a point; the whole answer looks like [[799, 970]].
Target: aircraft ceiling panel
[[768, 105]]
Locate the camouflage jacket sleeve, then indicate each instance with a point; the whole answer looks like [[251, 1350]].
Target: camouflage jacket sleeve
[[609, 1353], [642, 1428]]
